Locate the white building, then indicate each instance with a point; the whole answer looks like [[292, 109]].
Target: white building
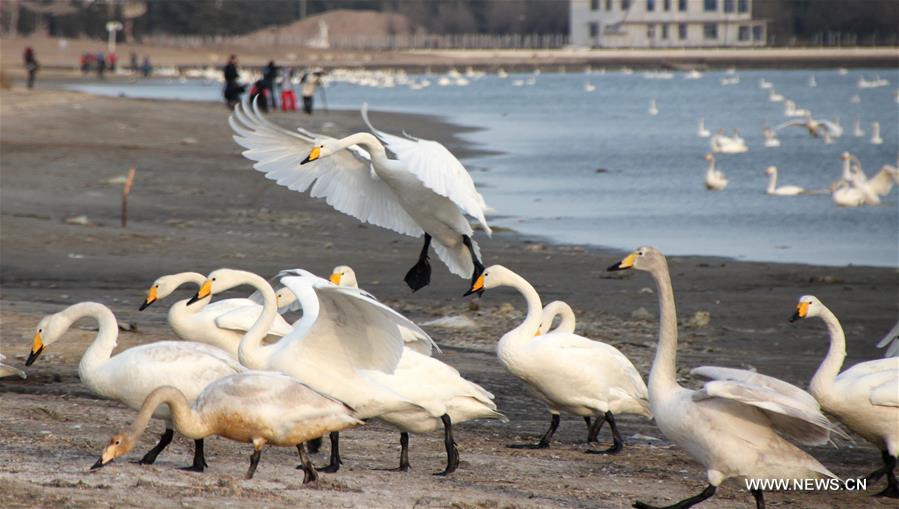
[[664, 24]]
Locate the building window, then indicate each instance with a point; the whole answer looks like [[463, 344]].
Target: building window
[[743, 34], [757, 33], [682, 5], [711, 5], [667, 5], [650, 31], [608, 5], [650, 5], [710, 31], [743, 5], [594, 29], [664, 30], [594, 5], [682, 31], [625, 5], [728, 5]]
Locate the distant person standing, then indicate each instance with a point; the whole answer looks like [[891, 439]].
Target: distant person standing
[[288, 95], [112, 60], [269, 77], [233, 88], [310, 81], [147, 67], [31, 65], [133, 62], [101, 64]]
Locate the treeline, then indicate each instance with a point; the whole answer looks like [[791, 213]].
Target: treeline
[[799, 20]]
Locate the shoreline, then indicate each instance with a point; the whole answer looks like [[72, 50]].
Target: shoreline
[[197, 205]]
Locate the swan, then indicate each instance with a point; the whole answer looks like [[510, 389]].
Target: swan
[[812, 82], [327, 350], [855, 99], [220, 324], [816, 128], [424, 191], [890, 342], [882, 183], [255, 407], [653, 109], [720, 142], [774, 96], [782, 190], [790, 110], [568, 373], [771, 140], [701, 131], [864, 397], [450, 398], [730, 427], [589, 87], [7, 370], [567, 320], [765, 84], [857, 129], [129, 376], [875, 134], [845, 195], [715, 179]]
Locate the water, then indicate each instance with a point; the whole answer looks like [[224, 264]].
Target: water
[[553, 136]]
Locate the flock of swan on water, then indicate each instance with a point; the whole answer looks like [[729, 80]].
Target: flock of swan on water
[[245, 373]]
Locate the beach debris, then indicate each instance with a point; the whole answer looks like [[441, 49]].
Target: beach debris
[[190, 140], [700, 319], [641, 314], [535, 247], [129, 181], [81, 220], [452, 322], [118, 180], [646, 289], [75, 256]]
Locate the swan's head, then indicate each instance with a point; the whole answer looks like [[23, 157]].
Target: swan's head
[[645, 258], [845, 156], [162, 288], [322, 148], [709, 157], [343, 275], [771, 170], [286, 300], [808, 305], [218, 281], [49, 330], [492, 277], [119, 445]]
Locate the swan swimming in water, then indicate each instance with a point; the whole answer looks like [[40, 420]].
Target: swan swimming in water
[[875, 134], [653, 109], [714, 178], [701, 131], [424, 191], [735, 144], [782, 190], [857, 129], [771, 140]]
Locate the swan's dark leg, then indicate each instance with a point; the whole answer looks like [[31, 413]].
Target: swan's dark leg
[[683, 504], [404, 452], [452, 454], [199, 458], [164, 441], [335, 463], [419, 275], [889, 467], [617, 442], [254, 462], [314, 445], [593, 431], [544, 440], [309, 473], [759, 497], [478, 266]]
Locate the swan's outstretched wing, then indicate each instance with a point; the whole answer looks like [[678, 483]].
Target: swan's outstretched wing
[[242, 319], [832, 128], [891, 342], [793, 123], [788, 415], [350, 326], [753, 378], [437, 168], [343, 179]]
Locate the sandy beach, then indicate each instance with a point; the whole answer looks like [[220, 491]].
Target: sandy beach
[[197, 205]]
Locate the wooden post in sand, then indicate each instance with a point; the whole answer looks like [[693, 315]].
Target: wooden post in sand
[[125, 191]]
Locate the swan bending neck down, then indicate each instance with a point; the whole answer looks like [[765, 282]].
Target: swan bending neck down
[[254, 407], [132, 374], [714, 179], [864, 397], [727, 426], [567, 320], [568, 373]]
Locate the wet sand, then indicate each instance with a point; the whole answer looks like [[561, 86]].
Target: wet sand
[[198, 205]]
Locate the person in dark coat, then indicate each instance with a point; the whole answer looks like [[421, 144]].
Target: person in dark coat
[[269, 77], [31, 65], [233, 88]]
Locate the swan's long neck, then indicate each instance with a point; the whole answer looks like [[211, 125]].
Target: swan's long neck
[[104, 343], [830, 366], [251, 352], [663, 375], [187, 421], [371, 144], [194, 278], [524, 333], [711, 169], [772, 182]]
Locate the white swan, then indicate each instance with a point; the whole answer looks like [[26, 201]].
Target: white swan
[[7, 370], [730, 427], [771, 140], [653, 109], [790, 110], [890, 342], [589, 87], [568, 373], [424, 191], [131, 375], [438, 387], [220, 324], [715, 180], [567, 320], [864, 397], [701, 131], [254, 407], [735, 144], [816, 128], [857, 129], [812, 82], [774, 97], [343, 335], [875, 134], [764, 84], [782, 190], [845, 195]]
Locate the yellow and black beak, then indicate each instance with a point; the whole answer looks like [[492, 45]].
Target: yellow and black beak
[[624, 264], [314, 154], [801, 312], [36, 348], [477, 287], [537, 333], [335, 278], [204, 291], [99, 463], [151, 298]]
